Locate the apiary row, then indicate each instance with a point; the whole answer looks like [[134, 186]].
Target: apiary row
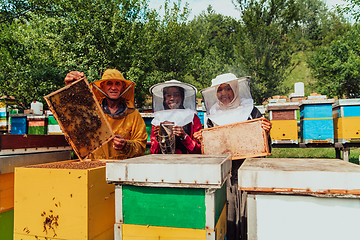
[[321, 121], [17, 151], [148, 197], [33, 124]]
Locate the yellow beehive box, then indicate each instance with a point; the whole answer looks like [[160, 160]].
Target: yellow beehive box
[[347, 129], [284, 131], [67, 200]]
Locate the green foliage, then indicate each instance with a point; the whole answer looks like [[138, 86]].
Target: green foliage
[[351, 8], [28, 62], [214, 54], [337, 67], [41, 41], [264, 44]]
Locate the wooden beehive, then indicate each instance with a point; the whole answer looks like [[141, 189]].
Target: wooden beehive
[[6, 205], [80, 117], [170, 196], [346, 113], [283, 117], [64, 200], [37, 125], [316, 121], [284, 196], [241, 140]]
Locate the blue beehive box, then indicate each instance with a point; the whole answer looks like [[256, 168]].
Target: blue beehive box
[[18, 124], [201, 116], [316, 121]]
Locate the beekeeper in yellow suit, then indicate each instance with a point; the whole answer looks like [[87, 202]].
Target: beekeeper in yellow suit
[[116, 97]]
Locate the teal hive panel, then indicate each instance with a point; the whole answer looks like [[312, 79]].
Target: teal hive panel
[[201, 116], [316, 111], [18, 125], [317, 130]]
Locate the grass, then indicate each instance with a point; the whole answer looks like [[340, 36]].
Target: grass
[[312, 153], [306, 153]]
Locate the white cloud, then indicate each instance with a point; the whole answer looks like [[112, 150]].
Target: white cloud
[[224, 7]]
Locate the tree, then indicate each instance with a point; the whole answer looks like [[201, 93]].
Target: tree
[[337, 67], [214, 42], [29, 63], [264, 43], [351, 8], [164, 51]]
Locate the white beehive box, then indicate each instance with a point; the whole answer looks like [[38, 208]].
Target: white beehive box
[[300, 198]]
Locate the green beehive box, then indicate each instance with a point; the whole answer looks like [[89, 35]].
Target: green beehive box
[[170, 196]]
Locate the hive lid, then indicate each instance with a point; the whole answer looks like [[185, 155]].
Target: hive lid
[[175, 170], [283, 106], [317, 101], [300, 176], [347, 102]]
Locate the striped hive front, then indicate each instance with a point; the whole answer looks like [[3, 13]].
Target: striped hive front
[[316, 121], [170, 196], [3, 121], [53, 126], [346, 114], [283, 117], [37, 125]]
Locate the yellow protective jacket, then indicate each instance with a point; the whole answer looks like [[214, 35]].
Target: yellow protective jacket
[[130, 125]]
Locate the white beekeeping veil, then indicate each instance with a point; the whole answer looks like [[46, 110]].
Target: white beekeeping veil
[[238, 109], [186, 110]]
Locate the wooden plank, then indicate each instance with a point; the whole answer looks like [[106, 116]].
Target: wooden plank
[[80, 117], [175, 170], [31, 141], [282, 107], [283, 115], [137, 232], [6, 192], [241, 140], [165, 207], [101, 203]]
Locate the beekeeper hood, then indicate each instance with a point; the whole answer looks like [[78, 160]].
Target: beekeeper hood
[[127, 94], [238, 104], [185, 109]]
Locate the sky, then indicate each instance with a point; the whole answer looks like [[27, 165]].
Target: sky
[[224, 7]]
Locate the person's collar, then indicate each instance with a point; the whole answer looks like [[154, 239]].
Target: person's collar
[[121, 108]]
